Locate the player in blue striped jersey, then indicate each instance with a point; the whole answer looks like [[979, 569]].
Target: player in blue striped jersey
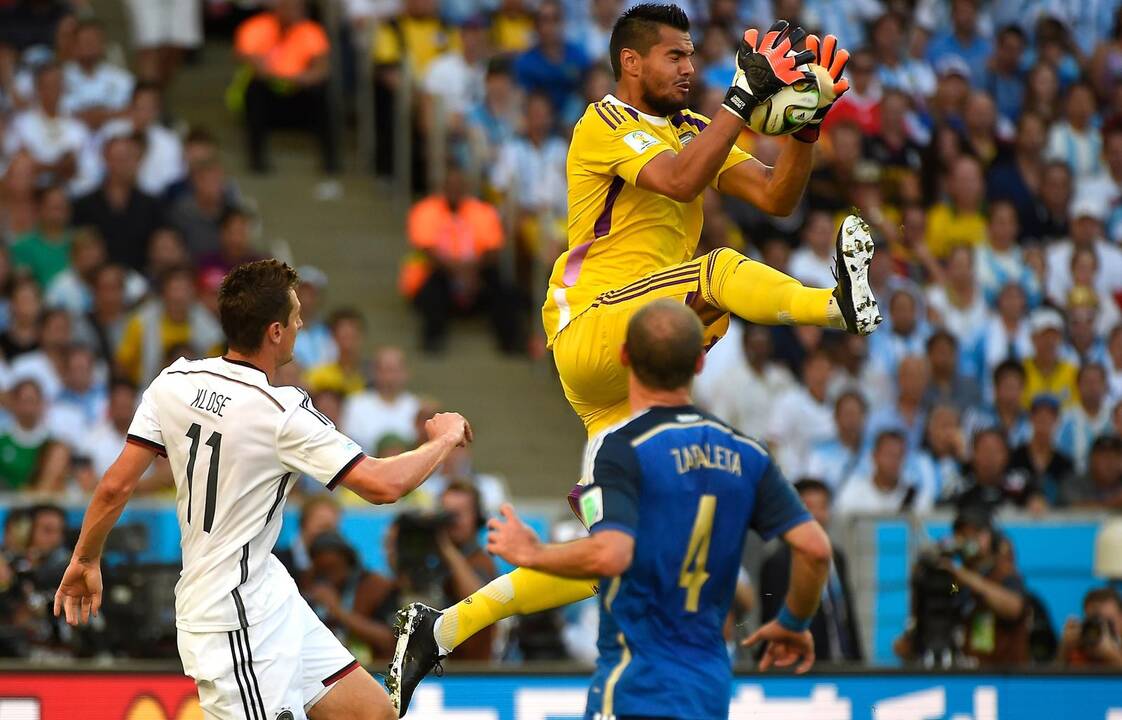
[[669, 498]]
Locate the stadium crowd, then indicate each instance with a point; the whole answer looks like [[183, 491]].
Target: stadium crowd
[[982, 140]]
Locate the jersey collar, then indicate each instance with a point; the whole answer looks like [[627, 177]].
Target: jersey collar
[[243, 363], [652, 119]]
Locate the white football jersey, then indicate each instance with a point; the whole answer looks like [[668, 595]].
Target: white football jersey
[[235, 443]]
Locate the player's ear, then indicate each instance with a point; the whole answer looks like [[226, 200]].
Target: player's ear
[[629, 61], [700, 364], [624, 358]]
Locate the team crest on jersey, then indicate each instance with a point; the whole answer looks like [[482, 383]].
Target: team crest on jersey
[[286, 714], [639, 141], [687, 137]]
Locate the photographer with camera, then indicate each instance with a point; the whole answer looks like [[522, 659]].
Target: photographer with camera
[[33, 575], [969, 606], [1096, 641]]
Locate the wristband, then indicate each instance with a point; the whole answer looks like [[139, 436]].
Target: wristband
[[788, 621]]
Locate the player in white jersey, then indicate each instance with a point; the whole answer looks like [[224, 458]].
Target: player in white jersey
[[235, 443]]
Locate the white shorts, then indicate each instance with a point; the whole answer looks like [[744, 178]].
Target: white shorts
[[286, 662], [166, 22]]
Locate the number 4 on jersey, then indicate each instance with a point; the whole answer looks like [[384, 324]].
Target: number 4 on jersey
[[693, 574], [215, 443]]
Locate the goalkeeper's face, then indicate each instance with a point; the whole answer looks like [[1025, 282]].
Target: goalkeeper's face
[[667, 71]]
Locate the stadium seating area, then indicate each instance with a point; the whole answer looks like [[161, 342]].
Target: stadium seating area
[[982, 140]]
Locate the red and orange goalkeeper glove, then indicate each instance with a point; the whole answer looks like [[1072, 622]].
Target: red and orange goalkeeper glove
[[764, 65], [833, 59]]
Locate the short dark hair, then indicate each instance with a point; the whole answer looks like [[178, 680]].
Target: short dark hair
[[253, 297], [809, 484], [885, 435], [146, 86], [1012, 29], [38, 511], [1102, 594], [638, 29], [122, 383], [988, 431], [345, 314], [664, 342], [851, 395], [1007, 367]]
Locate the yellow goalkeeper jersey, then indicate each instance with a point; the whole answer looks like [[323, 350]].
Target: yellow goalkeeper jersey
[[618, 232]]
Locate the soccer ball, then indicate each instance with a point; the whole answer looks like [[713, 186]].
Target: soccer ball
[[789, 109]]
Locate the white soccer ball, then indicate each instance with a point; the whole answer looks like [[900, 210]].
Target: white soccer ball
[[787, 110]]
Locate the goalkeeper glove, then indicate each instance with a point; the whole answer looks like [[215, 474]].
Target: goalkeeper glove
[[831, 84], [764, 65]]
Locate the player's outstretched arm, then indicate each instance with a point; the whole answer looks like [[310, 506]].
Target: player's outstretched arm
[[386, 480], [606, 553], [79, 593], [682, 176], [775, 190]]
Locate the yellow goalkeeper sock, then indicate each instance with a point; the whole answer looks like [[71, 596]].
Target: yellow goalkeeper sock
[[761, 294], [519, 592]]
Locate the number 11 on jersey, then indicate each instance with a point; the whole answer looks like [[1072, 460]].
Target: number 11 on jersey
[[214, 442], [693, 574]]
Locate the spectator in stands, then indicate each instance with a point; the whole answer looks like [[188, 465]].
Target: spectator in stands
[[1087, 419], [1039, 460], [235, 245], [552, 66], [1107, 185], [989, 481], [454, 82], [883, 490], [530, 174], [346, 373], [314, 344], [494, 121], [812, 263], [982, 135], [163, 162], [52, 138], [102, 443], [907, 414], [847, 455], [802, 416], [947, 385], [347, 596], [103, 327], [1019, 177], [1007, 414], [124, 215], [1005, 81], [468, 566], [24, 310], [896, 70], [1101, 486], [1096, 640], [45, 252], [1046, 372], [959, 221], [1005, 334], [46, 364], [831, 183], [197, 213], [287, 59], [29, 458], [512, 27], [993, 606], [834, 626], [95, 91], [387, 408], [962, 40], [1087, 217], [743, 393], [999, 261], [18, 208], [166, 251], [954, 300], [162, 34], [904, 335], [82, 400], [459, 238], [1074, 140], [893, 147], [936, 468], [319, 514], [1053, 204], [173, 318]]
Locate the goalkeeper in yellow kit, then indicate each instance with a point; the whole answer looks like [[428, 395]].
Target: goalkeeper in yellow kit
[[637, 166]]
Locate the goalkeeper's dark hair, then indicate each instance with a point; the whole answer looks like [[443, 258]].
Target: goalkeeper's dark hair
[[638, 29], [253, 297], [664, 342]]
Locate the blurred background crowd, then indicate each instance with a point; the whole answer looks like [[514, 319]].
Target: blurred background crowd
[[981, 139]]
